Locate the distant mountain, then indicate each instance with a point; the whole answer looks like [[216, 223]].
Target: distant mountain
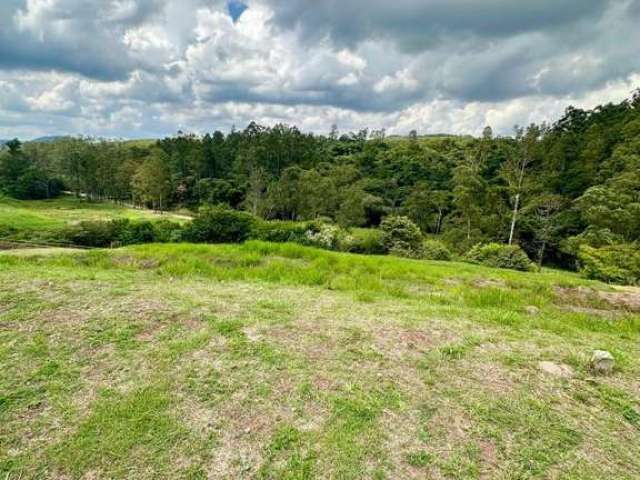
[[48, 139]]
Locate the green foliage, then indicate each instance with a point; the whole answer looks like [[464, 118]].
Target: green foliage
[[614, 264], [279, 231], [435, 250], [500, 256], [324, 235], [401, 237], [121, 232], [95, 234], [21, 178], [220, 225], [591, 237], [364, 240], [576, 179]]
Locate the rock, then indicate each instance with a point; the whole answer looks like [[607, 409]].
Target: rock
[[532, 310], [602, 362], [556, 369]]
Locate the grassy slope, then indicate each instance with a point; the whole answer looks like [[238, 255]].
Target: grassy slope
[[34, 218], [279, 361]]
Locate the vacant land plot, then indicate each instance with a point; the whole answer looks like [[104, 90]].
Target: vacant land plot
[[283, 362]]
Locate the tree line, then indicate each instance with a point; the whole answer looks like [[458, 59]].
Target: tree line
[[549, 188]]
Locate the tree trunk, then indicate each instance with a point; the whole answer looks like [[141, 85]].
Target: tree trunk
[[541, 253], [468, 228], [514, 218]]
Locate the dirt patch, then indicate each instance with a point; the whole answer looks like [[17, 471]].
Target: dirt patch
[[489, 457], [556, 369], [489, 283], [626, 298], [589, 300], [396, 342]]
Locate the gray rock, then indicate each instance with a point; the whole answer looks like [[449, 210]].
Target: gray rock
[[532, 310], [601, 362]]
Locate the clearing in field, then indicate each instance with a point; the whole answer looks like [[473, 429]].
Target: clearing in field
[[278, 361]]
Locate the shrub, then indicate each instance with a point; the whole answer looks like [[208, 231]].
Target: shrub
[[220, 225], [121, 232], [592, 237], [435, 250], [500, 256], [279, 231], [402, 237], [324, 235], [166, 231], [96, 234], [363, 240], [614, 264]]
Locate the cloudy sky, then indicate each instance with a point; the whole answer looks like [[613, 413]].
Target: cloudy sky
[[146, 68]]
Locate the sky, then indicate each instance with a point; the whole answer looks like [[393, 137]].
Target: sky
[[148, 68]]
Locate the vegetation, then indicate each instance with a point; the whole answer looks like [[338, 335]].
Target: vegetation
[[616, 264], [500, 256], [268, 360], [548, 188]]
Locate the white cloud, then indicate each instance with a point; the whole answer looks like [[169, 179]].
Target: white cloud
[[149, 67]]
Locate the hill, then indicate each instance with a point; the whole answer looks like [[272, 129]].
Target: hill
[[34, 219], [280, 361]]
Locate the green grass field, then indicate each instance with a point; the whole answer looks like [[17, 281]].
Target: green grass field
[[277, 361], [34, 219]]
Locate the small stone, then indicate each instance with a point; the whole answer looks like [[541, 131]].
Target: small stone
[[556, 369], [532, 310], [601, 362]]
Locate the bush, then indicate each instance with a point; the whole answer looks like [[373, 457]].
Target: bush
[[220, 225], [121, 232], [324, 235], [166, 231], [614, 264], [279, 231], [363, 240], [500, 256], [591, 237], [402, 237], [96, 234], [435, 250]]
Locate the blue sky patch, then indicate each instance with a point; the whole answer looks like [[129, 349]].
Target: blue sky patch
[[236, 9]]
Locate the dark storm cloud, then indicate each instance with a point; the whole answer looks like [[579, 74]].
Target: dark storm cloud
[[81, 36], [485, 50], [419, 24]]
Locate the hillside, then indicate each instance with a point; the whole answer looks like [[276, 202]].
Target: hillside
[[38, 219], [279, 361]]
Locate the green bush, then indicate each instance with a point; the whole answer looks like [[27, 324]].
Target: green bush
[[279, 231], [435, 250], [96, 234], [220, 225], [614, 264], [324, 235], [591, 237], [402, 237], [500, 256], [121, 232], [166, 231], [366, 241]]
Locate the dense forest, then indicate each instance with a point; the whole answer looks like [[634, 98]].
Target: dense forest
[[548, 188]]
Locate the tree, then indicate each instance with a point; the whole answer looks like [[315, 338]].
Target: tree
[[468, 191], [152, 181], [256, 192], [515, 169], [544, 210]]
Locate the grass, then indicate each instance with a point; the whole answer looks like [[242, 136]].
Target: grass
[[277, 361], [35, 218]]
